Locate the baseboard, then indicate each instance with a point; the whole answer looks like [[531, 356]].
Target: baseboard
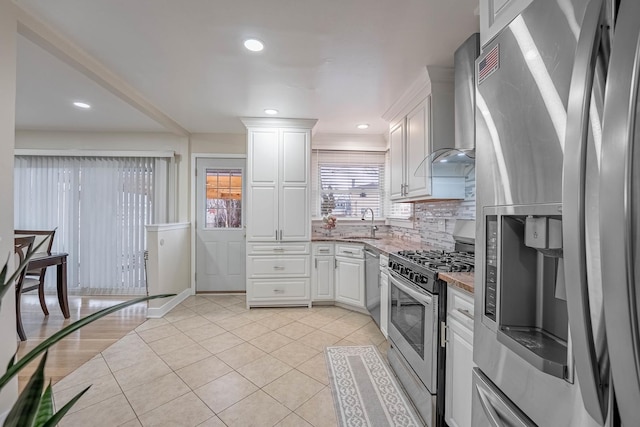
[[158, 312]]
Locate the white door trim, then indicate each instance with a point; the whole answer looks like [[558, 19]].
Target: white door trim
[[192, 204]]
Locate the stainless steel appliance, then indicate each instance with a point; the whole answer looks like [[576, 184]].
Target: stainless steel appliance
[[556, 297], [372, 283], [417, 310]]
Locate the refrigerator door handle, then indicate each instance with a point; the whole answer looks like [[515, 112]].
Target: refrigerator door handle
[[488, 408], [619, 205], [573, 206]]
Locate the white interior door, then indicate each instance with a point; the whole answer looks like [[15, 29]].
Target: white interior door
[[220, 233]]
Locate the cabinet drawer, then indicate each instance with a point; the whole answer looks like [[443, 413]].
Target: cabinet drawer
[[460, 306], [292, 289], [277, 248], [350, 250], [323, 248], [278, 266]]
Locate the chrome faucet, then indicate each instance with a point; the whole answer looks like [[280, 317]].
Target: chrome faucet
[[373, 227]]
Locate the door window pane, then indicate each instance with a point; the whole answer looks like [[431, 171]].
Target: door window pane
[[223, 198]]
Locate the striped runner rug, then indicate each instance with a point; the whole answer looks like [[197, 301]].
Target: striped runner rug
[[365, 391]]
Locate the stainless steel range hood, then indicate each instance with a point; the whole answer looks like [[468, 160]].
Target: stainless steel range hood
[[459, 159]]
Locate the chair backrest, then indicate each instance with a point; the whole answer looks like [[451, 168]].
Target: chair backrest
[[22, 246], [39, 235]]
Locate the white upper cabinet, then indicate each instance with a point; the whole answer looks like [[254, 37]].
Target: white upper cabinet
[[497, 14], [421, 122], [279, 159]]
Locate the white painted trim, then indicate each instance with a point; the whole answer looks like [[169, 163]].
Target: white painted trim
[[61, 47], [158, 312], [168, 226], [217, 156], [91, 153], [272, 122]]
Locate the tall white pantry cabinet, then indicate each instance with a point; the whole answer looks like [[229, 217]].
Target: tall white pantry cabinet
[[278, 214]]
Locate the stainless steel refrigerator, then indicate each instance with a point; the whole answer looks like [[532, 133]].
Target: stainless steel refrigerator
[[557, 328]]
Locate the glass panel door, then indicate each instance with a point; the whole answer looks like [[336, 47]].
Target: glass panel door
[[223, 198], [408, 316]]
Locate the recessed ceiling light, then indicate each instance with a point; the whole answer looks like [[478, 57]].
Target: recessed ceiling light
[[363, 126], [270, 111], [254, 45], [82, 105]]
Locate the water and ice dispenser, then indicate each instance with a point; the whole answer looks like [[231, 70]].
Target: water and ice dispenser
[[524, 290]]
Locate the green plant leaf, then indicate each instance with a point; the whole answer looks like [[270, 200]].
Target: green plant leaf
[[44, 345], [45, 409], [23, 411], [55, 419], [8, 283], [11, 361]]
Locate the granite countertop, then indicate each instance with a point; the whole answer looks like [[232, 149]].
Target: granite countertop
[[385, 245], [462, 281]]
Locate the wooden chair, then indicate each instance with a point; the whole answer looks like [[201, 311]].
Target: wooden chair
[[35, 278], [22, 246]]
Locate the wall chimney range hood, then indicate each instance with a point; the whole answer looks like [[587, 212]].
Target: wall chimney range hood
[[459, 159]]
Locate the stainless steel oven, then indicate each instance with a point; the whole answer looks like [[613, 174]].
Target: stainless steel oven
[[413, 327]]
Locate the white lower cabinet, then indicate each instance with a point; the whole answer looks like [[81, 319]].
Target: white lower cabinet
[[349, 274], [322, 272], [384, 295], [459, 365]]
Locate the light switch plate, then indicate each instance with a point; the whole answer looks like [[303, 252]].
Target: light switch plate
[[442, 225]]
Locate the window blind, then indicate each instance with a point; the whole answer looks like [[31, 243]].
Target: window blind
[[100, 206], [345, 183]]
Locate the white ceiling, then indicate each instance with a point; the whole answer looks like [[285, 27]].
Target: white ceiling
[[343, 62]]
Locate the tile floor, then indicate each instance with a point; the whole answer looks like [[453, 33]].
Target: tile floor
[[212, 362]]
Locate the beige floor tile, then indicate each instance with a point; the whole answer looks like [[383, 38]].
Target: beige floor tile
[[293, 420], [340, 328], [217, 315], [356, 319], [276, 321], [221, 342], [102, 388], [156, 393], [169, 344], [294, 354], [238, 308], [264, 370], [315, 320], [319, 410], [345, 342], [191, 323], [91, 370], [203, 333], [193, 300], [126, 343], [332, 312], [204, 371], [128, 357], [233, 322], [318, 340], [297, 313], [108, 413], [187, 411], [226, 300], [182, 357], [240, 355], [225, 391], [179, 313], [152, 323], [316, 368], [295, 330], [155, 334], [250, 331], [141, 373], [365, 338], [212, 422], [293, 389], [271, 341], [260, 314], [206, 308], [132, 423], [243, 413]]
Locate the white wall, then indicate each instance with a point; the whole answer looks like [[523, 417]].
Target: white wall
[[354, 142], [8, 28], [219, 143], [118, 141]]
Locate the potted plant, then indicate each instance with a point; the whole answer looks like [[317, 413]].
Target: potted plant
[[34, 407]]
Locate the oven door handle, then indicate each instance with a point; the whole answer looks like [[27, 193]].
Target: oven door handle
[[398, 281]]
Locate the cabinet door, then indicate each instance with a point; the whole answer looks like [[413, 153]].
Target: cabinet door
[[295, 217], [263, 157], [262, 213], [295, 158], [322, 278], [396, 161], [497, 14], [458, 390], [349, 277], [418, 172]]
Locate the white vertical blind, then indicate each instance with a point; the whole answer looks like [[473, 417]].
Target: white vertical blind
[[100, 206]]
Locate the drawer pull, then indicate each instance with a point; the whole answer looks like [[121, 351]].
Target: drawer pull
[[277, 267], [278, 291], [323, 250], [348, 252], [278, 249], [465, 313]]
